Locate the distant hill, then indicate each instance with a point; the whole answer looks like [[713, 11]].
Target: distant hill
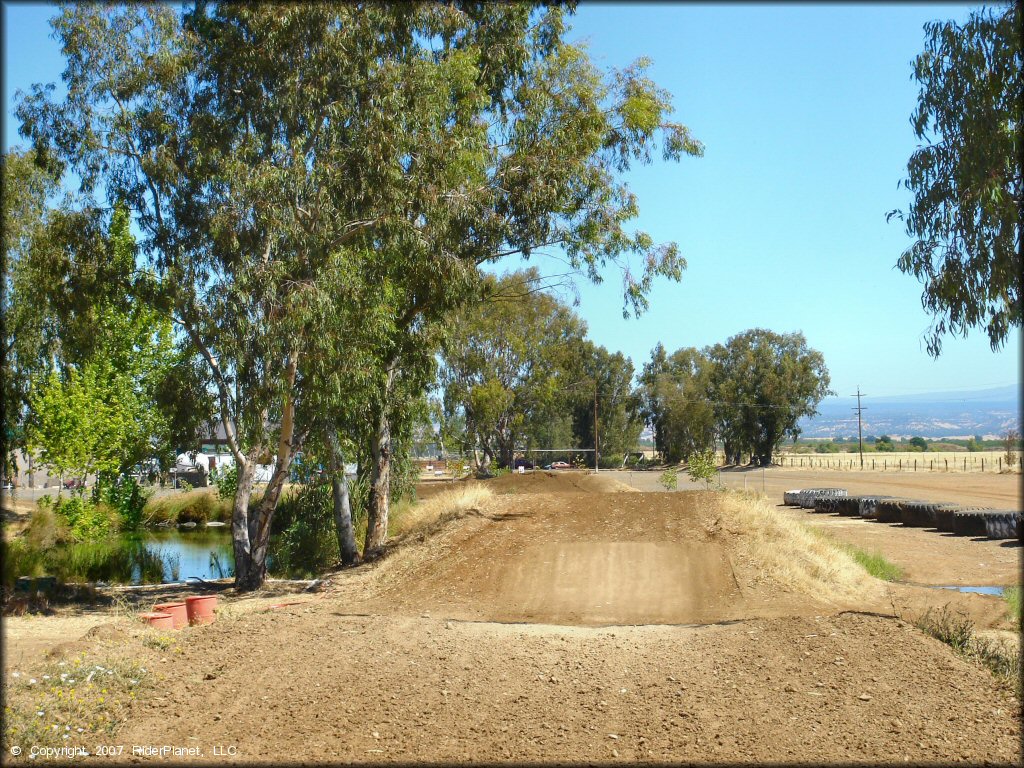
[[961, 413]]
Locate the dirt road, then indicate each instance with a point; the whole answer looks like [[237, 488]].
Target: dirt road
[[991, 490]]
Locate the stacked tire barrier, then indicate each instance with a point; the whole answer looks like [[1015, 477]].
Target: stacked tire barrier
[[868, 506], [807, 498], [829, 504], [959, 519], [890, 510]]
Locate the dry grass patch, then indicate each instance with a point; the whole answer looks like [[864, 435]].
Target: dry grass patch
[[788, 555], [439, 508]]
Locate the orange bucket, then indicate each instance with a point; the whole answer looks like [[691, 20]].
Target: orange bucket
[[158, 620], [177, 610], [201, 609]]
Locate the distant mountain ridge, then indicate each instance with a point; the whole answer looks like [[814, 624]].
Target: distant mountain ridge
[[959, 413]]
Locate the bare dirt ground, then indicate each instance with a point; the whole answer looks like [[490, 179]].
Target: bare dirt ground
[[566, 622], [1004, 491]]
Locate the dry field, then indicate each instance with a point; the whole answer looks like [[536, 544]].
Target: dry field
[[567, 618], [930, 461]]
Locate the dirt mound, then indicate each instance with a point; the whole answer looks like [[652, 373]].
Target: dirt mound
[[604, 559], [555, 481]]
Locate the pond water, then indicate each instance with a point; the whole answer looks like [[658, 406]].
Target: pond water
[[145, 557], [202, 552], [998, 591]]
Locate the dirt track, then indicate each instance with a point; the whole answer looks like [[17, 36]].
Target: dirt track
[[417, 659]]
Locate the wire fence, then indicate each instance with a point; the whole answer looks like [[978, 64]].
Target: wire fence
[[941, 461]]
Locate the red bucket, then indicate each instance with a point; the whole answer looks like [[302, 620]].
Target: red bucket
[[201, 609], [177, 610], [158, 620]]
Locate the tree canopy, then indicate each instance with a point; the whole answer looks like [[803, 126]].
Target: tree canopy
[[296, 169], [967, 176], [750, 393]]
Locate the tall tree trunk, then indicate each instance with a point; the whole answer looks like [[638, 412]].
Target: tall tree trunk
[[380, 487], [342, 505], [240, 522], [259, 521]]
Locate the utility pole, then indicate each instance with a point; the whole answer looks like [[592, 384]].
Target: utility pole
[[860, 433], [595, 429]]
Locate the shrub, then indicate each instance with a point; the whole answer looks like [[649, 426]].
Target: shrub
[[307, 543], [701, 466], [226, 481], [87, 520], [128, 498], [45, 528], [198, 506], [669, 479]]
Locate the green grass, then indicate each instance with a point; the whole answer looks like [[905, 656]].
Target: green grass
[[1013, 597], [874, 563]]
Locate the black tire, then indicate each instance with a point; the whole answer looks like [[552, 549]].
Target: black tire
[[944, 514], [918, 514], [848, 505], [868, 506], [826, 504], [1002, 524], [970, 523], [890, 510]]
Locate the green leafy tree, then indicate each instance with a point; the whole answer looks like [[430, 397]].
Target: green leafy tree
[[763, 384], [97, 414], [885, 444], [604, 392], [966, 177], [918, 444], [505, 364], [675, 396], [263, 147]]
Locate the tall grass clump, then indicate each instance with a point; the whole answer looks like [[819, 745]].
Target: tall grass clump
[[438, 509], [789, 555], [957, 631], [1013, 597], [200, 505]]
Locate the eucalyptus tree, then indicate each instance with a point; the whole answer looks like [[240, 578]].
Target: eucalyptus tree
[[605, 397], [967, 176], [677, 401], [514, 145], [257, 143], [227, 130], [504, 362], [763, 383]]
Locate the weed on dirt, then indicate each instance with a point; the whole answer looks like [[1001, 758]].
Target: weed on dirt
[[1014, 598], [792, 554], [66, 702], [957, 631]]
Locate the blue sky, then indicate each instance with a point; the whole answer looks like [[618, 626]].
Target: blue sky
[[804, 114]]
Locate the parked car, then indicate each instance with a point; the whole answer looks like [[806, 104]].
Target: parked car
[[559, 465], [524, 463], [74, 483]]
